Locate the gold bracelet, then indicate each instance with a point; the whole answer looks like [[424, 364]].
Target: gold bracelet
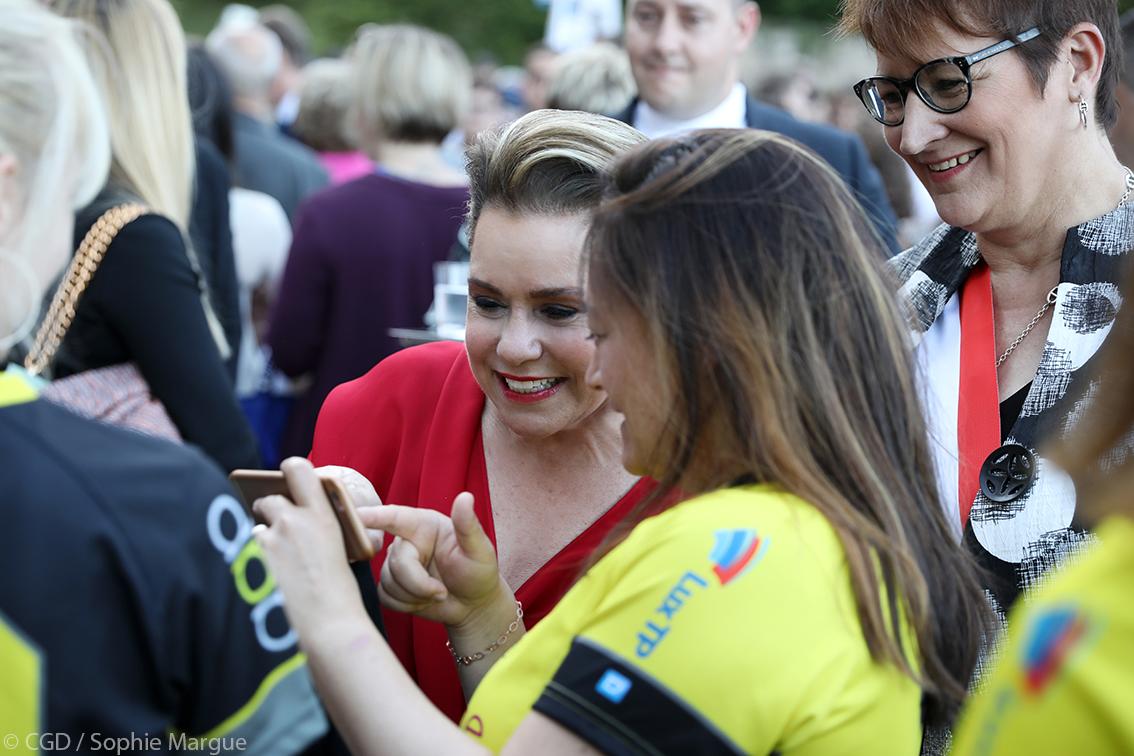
[[466, 660]]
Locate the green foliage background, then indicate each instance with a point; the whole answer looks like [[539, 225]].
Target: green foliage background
[[500, 28]]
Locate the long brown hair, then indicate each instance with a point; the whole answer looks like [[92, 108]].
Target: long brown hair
[[785, 361]]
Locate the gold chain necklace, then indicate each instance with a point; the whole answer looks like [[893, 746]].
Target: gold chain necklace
[[1052, 294], [1028, 328]]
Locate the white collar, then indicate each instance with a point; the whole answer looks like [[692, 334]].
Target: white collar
[[732, 113]]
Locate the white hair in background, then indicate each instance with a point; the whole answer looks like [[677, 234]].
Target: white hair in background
[[237, 14], [53, 123], [248, 54]]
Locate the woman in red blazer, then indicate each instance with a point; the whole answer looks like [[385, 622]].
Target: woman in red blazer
[[508, 416]]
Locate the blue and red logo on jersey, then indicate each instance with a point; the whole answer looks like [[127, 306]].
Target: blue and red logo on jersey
[[1052, 639], [735, 552]]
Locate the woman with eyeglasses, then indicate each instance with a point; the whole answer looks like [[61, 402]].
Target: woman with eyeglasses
[[1001, 109]]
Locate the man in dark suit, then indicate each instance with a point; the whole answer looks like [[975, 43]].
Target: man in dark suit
[[685, 55]]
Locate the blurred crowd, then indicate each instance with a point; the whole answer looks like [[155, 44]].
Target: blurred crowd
[[390, 117], [289, 125]]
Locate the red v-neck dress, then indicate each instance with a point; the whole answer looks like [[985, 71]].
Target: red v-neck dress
[[412, 426]]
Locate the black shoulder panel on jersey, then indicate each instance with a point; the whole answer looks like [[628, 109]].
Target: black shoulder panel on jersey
[[621, 710]]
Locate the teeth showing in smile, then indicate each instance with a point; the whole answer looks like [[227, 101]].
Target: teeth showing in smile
[[531, 387], [952, 162]]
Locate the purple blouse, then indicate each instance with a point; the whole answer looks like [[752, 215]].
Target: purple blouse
[[361, 262]]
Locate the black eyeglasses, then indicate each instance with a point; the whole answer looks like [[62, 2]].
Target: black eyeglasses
[[943, 84]]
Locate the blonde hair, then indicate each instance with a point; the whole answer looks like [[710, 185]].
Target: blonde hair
[[51, 117], [549, 162], [52, 122], [325, 98], [596, 79], [412, 84], [144, 87]]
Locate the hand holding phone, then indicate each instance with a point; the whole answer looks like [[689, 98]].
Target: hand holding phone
[[256, 484]]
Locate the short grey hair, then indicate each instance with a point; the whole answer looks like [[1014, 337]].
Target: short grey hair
[[412, 84], [248, 54]]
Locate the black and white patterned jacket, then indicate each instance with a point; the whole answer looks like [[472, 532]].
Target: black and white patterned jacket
[[1020, 541]]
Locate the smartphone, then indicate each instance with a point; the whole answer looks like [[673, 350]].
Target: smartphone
[[256, 484]]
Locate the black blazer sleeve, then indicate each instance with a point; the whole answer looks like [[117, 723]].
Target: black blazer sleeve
[[212, 239], [143, 306]]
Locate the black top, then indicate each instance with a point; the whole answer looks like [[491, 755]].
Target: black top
[[134, 600], [144, 306], [211, 235], [1010, 410]]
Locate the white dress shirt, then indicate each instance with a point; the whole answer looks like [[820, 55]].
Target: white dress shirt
[[730, 114]]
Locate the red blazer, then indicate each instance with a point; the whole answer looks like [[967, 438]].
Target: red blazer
[[412, 427]]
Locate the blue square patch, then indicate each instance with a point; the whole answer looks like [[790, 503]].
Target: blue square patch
[[613, 686]]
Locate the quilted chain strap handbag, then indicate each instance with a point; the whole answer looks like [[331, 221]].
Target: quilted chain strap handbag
[[118, 394]]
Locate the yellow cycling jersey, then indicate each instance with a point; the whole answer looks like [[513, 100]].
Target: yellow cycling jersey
[[727, 624], [1064, 682]]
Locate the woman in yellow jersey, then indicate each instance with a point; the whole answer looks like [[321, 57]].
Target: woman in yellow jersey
[[1065, 679], [805, 596]]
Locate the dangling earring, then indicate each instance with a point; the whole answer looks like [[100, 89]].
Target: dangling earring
[[1083, 111], [25, 273]]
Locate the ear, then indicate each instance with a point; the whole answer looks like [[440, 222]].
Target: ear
[[1084, 51], [748, 22]]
